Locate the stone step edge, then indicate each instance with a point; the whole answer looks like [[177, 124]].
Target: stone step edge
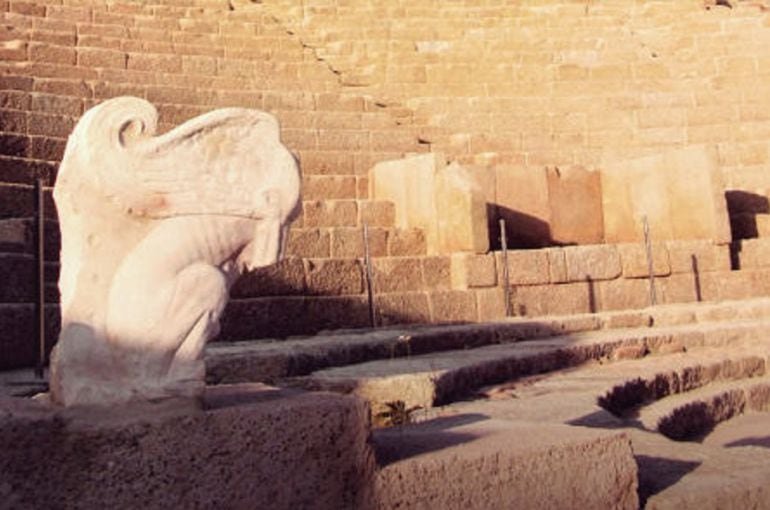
[[505, 363], [687, 415], [266, 360]]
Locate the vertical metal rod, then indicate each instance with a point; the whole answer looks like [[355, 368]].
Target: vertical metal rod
[[506, 281], [650, 269], [40, 287], [369, 279]]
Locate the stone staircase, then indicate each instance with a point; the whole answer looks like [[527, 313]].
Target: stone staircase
[[666, 377], [59, 58]]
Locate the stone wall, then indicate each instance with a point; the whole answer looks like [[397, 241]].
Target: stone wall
[[560, 82], [505, 89]]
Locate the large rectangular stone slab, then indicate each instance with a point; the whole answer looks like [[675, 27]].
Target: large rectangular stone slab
[[250, 447], [679, 191], [574, 197], [457, 463], [522, 201], [441, 199]]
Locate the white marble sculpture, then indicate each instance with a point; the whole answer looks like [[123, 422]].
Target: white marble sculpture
[[154, 232]]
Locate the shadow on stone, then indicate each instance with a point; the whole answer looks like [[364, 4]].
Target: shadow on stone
[[399, 443], [761, 441], [658, 473]]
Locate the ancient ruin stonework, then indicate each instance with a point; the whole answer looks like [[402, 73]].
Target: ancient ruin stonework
[[154, 232]]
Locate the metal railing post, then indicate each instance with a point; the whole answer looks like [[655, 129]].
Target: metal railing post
[[506, 280], [650, 268], [369, 278]]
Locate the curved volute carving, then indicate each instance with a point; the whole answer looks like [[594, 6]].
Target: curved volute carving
[[155, 229]]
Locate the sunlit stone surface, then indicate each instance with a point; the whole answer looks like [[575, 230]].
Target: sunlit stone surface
[[155, 229]]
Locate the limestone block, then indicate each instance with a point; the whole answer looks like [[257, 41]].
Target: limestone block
[[493, 467], [490, 304], [400, 274], [453, 306], [334, 276], [442, 200], [698, 256], [678, 288], [595, 262], [472, 270], [633, 258], [154, 232], [763, 225], [561, 299], [574, 197], [679, 191], [525, 267], [461, 212], [268, 317], [402, 308], [522, 201], [623, 294], [242, 451], [557, 265], [437, 272], [287, 277], [405, 242], [753, 253]]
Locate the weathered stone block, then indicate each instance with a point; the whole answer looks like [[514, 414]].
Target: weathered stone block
[[490, 304], [437, 272], [400, 274], [348, 242], [442, 200], [558, 299], [698, 256], [378, 213], [557, 265], [308, 243], [680, 192], [241, 451], [753, 253], [633, 258], [596, 262], [574, 198], [335, 312], [622, 294], [471, 270], [461, 212], [287, 277], [274, 316], [525, 267], [406, 242], [334, 277], [330, 213], [453, 306], [678, 288], [522, 201], [402, 308], [586, 468]]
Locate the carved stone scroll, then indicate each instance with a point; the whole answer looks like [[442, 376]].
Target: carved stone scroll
[[155, 229]]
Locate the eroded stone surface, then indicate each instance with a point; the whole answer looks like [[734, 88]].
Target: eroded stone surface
[[251, 446], [154, 232]]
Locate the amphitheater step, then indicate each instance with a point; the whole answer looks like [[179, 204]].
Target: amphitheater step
[[440, 378], [483, 462], [672, 474], [269, 361], [688, 415]]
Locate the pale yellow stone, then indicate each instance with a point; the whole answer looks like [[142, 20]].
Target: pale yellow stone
[[679, 191], [441, 199]]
